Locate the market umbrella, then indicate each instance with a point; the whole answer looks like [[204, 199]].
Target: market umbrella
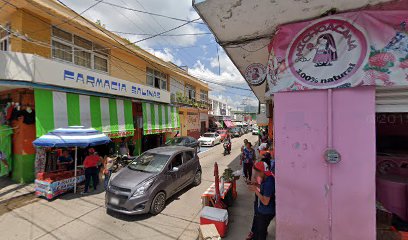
[[74, 136]]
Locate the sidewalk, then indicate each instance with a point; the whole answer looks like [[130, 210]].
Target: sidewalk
[[10, 190], [241, 213]]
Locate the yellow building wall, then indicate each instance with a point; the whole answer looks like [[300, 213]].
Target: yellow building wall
[[37, 28], [123, 64], [129, 67]]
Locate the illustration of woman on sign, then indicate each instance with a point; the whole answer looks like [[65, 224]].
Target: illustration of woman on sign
[[326, 51]]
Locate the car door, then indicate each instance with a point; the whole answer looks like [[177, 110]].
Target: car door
[[176, 175], [188, 162]]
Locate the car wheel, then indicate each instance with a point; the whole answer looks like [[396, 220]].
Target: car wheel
[[197, 178], [212, 144], [158, 203]]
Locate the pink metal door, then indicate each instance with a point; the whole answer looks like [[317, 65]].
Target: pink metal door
[[317, 200]]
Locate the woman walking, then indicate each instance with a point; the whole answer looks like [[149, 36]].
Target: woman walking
[[248, 161]]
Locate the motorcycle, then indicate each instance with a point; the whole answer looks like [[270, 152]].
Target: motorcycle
[[227, 148], [121, 162]]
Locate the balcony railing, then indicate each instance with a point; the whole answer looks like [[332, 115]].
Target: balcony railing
[[181, 100]]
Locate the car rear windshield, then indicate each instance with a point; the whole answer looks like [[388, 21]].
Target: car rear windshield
[[149, 162], [209, 135]]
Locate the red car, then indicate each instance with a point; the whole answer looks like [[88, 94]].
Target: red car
[[223, 133]]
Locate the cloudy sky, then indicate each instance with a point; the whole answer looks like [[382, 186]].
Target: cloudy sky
[[198, 52]]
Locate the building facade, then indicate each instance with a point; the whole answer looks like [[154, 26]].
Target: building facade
[[337, 83], [191, 96], [59, 69]]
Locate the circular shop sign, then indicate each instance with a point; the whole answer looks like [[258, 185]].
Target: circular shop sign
[[255, 74], [327, 53]]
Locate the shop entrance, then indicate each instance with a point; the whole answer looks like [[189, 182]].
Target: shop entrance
[[152, 141], [392, 162]]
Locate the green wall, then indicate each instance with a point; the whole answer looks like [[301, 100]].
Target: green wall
[[23, 168]]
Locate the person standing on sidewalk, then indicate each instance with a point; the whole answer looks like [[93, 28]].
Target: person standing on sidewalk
[[248, 161], [91, 169], [107, 169], [265, 207]]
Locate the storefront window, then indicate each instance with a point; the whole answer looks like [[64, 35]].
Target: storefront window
[[80, 51], [156, 79], [61, 51], [100, 63], [5, 38], [82, 58]]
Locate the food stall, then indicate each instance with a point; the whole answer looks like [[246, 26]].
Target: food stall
[[52, 181]]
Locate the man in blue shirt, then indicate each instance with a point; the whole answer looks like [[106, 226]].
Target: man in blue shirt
[[65, 160], [265, 206]]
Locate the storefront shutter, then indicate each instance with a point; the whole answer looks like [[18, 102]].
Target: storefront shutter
[[59, 109]]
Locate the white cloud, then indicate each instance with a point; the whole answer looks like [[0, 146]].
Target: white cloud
[[128, 21], [166, 55], [229, 76]]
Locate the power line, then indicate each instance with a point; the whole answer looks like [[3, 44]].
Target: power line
[[45, 44], [133, 53], [158, 23], [146, 12], [163, 35]]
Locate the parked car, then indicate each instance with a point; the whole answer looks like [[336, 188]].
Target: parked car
[[184, 141], [236, 132], [147, 182], [223, 133], [209, 139], [255, 131]]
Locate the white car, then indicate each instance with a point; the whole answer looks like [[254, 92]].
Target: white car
[[255, 131], [209, 139]]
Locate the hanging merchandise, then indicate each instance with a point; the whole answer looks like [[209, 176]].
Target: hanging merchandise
[[5, 148], [29, 116]]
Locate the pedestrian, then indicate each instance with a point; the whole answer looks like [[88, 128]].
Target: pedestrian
[[65, 161], [265, 201], [248, 161], [267, 158], [123, 148], [91, 169], [244, 146], [107, 169]]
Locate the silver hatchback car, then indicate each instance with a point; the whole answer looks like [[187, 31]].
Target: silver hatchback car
[[148, 181]]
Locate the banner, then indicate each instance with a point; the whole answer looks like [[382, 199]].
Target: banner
[[340, 51]]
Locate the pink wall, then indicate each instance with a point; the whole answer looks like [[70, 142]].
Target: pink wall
[[304, 203]]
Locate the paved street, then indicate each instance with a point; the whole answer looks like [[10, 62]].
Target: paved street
[[84, 217]]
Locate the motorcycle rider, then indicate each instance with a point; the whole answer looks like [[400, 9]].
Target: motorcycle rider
[[227, 141]]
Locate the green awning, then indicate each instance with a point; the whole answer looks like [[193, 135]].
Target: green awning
[[59, 109], [159, 118]]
